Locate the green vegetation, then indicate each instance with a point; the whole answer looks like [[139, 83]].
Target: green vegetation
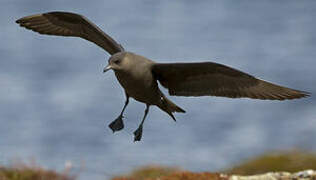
[[162, 173], [31, 173], [150, 172], [290, 161]]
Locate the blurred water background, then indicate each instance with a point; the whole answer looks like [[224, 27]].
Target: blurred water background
[[55, 102]]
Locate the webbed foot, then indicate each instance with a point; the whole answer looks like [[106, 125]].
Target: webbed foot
[[117, 124], [138, 133]]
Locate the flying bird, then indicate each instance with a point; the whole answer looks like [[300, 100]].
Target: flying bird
[[139, 76]]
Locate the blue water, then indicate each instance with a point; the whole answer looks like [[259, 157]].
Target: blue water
[[55, 103]]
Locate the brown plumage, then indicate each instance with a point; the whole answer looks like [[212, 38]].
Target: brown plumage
[[139, 75], [70, 24], [213, 79]]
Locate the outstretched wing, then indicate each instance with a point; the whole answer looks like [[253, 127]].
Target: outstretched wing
[[70, 24], [212, 79]]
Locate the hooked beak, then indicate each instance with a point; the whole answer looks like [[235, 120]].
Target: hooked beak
[[108, 67]]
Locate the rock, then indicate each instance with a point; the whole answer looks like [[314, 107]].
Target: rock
[[302, 175]]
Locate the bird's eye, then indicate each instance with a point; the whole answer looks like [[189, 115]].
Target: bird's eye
[[117, 61]]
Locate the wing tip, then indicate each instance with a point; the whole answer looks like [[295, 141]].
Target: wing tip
[[296, 95], [305, 94], [20, 20], [27, 18]]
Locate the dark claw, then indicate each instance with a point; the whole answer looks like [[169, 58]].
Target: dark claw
[[138, 133], [117, 124]]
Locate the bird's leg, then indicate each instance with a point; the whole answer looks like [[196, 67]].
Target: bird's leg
[[118, 124], [139, 131]]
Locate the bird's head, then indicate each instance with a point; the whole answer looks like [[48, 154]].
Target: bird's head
[[115, 62]]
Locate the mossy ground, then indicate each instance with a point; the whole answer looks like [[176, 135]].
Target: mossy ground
[[31, 173], [150, 172], [163, 173], [290, 161]]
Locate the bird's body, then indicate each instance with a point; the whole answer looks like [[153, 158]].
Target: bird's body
[[139, 76], [137, 79]]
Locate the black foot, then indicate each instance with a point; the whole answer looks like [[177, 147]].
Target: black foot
[[138, 133], [117, 124]]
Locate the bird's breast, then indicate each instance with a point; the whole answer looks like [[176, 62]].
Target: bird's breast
[[139, 85]]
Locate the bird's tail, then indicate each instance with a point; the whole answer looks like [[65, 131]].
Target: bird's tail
[[169, 107]]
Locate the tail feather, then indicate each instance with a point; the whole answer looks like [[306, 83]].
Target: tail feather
[[173, 107], [169, 107]]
